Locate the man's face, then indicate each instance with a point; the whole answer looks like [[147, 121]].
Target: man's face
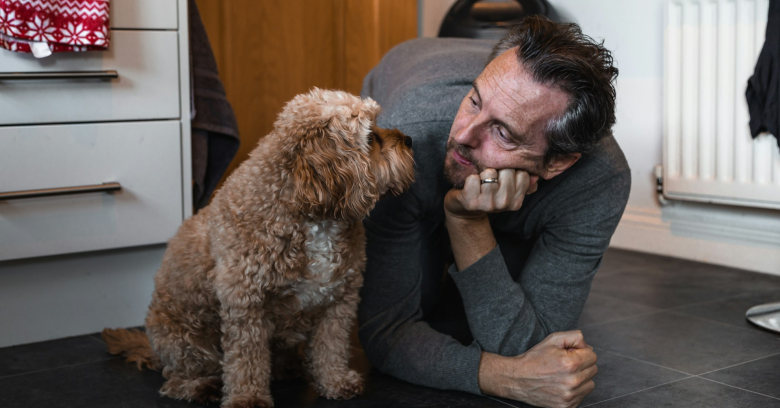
[[500, 123]]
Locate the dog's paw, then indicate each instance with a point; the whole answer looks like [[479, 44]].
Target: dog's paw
[[344, 386], [201, 390], [261, 401], [208, 391]]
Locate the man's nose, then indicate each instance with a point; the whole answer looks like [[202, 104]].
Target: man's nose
[[469, 134]]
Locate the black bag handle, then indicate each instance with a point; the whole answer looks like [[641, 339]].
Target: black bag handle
[[467, 15], [462, 8]]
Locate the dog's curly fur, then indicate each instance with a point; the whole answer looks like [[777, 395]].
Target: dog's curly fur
[[275, 260]]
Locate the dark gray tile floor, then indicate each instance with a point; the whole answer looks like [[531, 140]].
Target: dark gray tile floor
[[672, 333], [668, 333]]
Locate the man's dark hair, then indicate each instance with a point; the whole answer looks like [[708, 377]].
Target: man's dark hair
[[560, 55]]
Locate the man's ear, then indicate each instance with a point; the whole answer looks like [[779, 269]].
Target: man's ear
[[559, 164]]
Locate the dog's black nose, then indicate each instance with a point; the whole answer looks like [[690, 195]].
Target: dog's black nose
[[408, 141]]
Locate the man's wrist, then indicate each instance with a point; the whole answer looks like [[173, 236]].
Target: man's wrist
[[464, 221], [492, 378], [464, 216], [470, 239]]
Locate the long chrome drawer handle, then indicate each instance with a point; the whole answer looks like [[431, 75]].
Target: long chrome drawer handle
[[19, 76], [47, 192]]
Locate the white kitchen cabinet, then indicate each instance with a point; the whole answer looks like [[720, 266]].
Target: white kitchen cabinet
[[76, 263], [118, 116]]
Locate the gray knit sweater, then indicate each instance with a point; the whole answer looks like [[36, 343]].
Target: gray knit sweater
[[422, 320]]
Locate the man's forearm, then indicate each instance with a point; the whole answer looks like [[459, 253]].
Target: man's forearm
[[470, 239]]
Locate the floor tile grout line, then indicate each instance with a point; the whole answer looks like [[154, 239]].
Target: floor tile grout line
[[642, 390], [674, 309], [705, 302], [5, 377], [663, 308], [646, 362], [687, 376], [622, 319], [668, 310], [739, 364], [501, 402], [623, 300], [723, 324], [738, 388]]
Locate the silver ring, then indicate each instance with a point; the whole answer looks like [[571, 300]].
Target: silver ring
[[489, 180]]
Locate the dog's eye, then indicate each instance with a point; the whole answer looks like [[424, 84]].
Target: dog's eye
[[374, 138]]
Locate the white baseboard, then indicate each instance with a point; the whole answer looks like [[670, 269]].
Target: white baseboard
[[737, 238]]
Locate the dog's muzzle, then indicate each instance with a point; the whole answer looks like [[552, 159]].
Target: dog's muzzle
[[408, 141]]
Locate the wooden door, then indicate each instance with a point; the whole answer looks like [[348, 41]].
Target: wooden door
[[270, 50]]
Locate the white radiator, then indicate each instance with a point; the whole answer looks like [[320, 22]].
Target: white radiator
[[710, 51]]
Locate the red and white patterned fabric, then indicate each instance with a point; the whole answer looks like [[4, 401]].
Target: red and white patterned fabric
[[45, 26]]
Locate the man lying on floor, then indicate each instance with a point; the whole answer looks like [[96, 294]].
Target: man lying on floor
[[477, 275]]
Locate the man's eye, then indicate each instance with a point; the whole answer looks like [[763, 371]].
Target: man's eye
[[473, 101], [502, 134]]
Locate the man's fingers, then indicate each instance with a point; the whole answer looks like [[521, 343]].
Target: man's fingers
[[505, 194], [521, 183], [585, 379], [575, 396], [471, 188], [587, 356], [522, 180], [489, 176], [489, 184], [494, 190], [580, 360], [568, 339], [589, 372], [578, 386]]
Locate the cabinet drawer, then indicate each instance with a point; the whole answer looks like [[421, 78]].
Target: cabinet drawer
[[146, 14], [147, 86], [143, 157]]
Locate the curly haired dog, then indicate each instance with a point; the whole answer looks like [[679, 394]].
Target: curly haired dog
[[275, 260]]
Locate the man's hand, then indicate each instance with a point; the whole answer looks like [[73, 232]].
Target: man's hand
[[466, 210], [558, 372], [505, 192]]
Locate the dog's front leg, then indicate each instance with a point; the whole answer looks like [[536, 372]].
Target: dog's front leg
[[246, 362], [329, 350]]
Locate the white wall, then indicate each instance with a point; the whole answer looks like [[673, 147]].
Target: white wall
[[633, 31]]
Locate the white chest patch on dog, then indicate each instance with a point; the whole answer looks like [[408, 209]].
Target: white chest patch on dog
[[321, 238]]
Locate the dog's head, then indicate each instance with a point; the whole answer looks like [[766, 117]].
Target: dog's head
[[339, 162]]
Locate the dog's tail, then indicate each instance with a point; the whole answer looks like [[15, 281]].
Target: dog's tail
[[133, 345]]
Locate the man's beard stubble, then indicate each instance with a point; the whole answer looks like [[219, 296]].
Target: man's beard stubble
[[454, 172]]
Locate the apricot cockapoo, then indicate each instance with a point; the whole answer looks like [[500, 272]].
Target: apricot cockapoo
[[275, 260]]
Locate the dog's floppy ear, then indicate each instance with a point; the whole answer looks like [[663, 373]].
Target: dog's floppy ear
[[330, 178], [323, 134]]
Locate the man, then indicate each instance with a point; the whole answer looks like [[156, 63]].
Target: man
[[475, 274]]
